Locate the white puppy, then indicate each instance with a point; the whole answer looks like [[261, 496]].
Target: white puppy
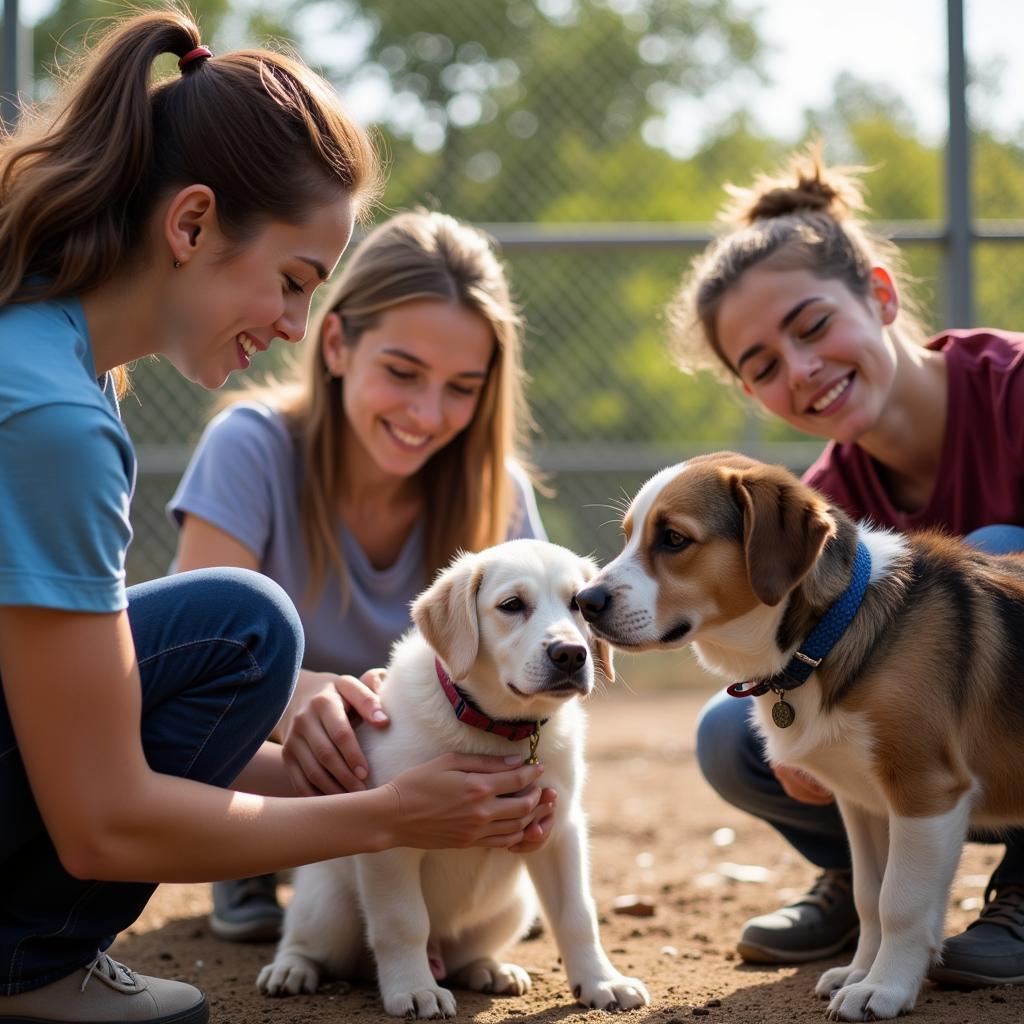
[[504, 628]]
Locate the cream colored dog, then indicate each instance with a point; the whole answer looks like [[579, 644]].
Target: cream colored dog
[[504, 627]]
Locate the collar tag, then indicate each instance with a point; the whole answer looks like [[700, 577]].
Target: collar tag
[[816, 646]]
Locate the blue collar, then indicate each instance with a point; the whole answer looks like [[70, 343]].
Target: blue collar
[[822, 639]]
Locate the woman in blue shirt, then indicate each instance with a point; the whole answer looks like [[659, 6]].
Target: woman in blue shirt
[[192, 218]]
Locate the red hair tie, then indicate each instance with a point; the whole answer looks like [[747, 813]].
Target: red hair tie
[[199, 53]]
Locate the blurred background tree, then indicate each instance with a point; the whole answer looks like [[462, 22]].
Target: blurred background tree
[[548, 117]]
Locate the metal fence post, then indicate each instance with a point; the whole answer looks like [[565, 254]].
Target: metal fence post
[[14, 68], [960, 283]]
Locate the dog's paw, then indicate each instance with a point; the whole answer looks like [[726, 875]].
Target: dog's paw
[[870, 1001], [614, 993], [424, 1003], [288, 976], [487, 975], [833, 980]]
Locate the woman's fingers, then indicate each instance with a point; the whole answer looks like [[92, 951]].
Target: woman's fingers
[[361, 696]]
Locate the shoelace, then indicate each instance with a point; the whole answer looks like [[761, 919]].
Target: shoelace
[[829, 887], [111, 966], [1004, 906]]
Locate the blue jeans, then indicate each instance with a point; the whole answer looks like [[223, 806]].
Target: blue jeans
[[219, 652], [731, 758]]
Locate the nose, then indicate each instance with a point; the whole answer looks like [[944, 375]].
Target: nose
[[803, 365], [291, 324], [428, 411], [593, 602], [567, 656]]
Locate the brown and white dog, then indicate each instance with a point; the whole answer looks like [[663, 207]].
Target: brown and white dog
[[914, 719]]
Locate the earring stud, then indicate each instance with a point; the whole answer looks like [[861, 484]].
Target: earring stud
[[177, 264]]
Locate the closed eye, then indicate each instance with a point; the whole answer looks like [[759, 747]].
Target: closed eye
[[512, 605], [816, 327]]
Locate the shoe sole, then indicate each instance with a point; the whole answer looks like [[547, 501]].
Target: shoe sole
[[753, 953], [969, 979], [267, 930], [198, 1014]]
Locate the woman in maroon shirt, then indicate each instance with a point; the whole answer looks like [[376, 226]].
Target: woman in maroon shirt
[[800, 305]]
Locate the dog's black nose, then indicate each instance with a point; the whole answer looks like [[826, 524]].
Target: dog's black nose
[[593, 602], [567, 656]]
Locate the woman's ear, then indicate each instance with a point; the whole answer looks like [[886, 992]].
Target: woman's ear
[[332, 345], [190, 221], [883, 290]]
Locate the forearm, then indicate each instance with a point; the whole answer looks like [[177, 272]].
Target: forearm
[[306, 686], [185, 831], [265, 774]]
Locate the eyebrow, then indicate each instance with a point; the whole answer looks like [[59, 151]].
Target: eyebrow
[[320, 269], [409, 357], [784, 322]]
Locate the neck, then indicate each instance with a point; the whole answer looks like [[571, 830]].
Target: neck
[[907, 439], [123, 320]]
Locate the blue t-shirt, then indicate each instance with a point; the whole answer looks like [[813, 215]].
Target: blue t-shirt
[[67, 467], [245, 478]]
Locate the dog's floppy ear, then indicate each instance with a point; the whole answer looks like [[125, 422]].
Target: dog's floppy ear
[[785, 526], [445, 613]]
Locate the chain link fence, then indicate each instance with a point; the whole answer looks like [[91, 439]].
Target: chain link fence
[[592, 138]]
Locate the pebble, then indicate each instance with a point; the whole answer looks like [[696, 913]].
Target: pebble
[[633, 905]]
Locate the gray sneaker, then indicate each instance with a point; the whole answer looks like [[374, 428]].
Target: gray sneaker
[[106, 991], [991, 950], [817, 925], [246, 910]]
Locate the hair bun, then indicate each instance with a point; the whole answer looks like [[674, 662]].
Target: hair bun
[[806, 185]]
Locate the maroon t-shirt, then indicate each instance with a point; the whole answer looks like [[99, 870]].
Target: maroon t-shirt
[[981, 471]]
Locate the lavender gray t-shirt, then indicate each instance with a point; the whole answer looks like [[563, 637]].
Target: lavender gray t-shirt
[[244, 478]]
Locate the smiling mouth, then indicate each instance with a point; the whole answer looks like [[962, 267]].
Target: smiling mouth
[[409, 440], [832, 395], [247, 346]]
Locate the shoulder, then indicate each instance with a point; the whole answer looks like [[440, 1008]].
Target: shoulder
[[45, 357], [980, 349]]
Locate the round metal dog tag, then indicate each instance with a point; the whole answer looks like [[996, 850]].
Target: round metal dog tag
[[783, 714]]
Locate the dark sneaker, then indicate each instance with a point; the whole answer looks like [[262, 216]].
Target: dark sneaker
[[991, 950], [106, 991], [246, 910], [818, 925]]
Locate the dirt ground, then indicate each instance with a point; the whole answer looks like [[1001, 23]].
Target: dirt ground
[[657, 830]]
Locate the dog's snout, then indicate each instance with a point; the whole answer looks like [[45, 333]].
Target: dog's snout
[[593, 602], [567, 656]]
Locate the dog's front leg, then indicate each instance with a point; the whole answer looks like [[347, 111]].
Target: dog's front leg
[[561, 874], [923, 855], [397, 930], [868, 835]]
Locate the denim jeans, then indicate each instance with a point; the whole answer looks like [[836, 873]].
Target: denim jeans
[[731, 758], [219, 652]]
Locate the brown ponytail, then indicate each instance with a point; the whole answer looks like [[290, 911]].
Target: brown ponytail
[[77, 188], [804, 218]]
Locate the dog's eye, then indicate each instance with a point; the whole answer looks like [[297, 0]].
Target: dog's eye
[[674, 540], [512, 605]]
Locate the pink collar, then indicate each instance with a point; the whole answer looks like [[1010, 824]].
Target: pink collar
[[469, 714]]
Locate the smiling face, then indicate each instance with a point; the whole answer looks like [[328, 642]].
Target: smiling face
[[809, 350], [412, 383], [225, 311]]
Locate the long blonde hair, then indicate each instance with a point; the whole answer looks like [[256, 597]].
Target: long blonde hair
[[418, 254], [803, 218], [79, 182]]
